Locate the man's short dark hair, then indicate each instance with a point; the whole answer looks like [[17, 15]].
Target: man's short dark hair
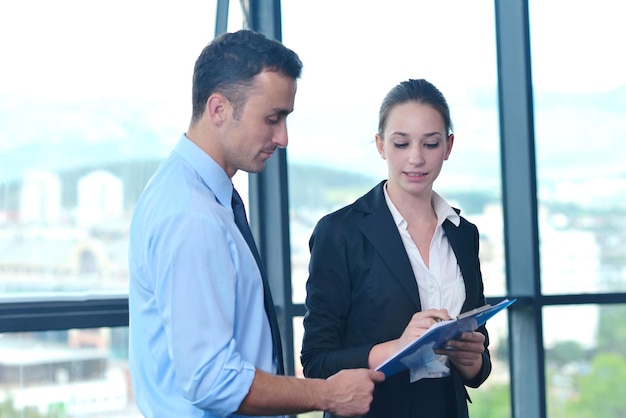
[[230, 62]]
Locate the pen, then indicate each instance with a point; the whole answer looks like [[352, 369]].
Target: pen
[[473, 311]]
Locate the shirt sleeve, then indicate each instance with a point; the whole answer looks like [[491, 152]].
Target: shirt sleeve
[[195, 290]]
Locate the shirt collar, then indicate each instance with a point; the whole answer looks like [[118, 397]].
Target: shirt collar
[[209, 171], [442, 209]]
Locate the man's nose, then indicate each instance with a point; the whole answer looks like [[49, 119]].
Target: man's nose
[[281, 138]]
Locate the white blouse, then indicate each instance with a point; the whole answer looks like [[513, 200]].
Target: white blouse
[[441, 284]]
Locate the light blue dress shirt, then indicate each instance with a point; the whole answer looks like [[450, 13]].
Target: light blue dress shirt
[[198, 327]]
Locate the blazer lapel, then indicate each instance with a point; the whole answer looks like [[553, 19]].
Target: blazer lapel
[[379, 228], [463, 250]]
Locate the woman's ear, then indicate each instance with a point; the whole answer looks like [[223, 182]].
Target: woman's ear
[[380, 146], [449, 144]]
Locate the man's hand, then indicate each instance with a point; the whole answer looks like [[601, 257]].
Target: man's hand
[[351, 391]]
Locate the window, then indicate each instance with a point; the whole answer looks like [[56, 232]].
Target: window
[[332, 156], [78, 373], [579, 90], [93, 95], [96, 94]]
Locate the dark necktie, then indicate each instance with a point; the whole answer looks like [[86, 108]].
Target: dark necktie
[[242, 223]]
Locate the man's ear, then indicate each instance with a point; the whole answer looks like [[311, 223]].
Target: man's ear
[[216, 108]]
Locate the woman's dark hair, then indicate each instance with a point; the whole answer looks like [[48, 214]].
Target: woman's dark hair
[[231, 61], [418, 91]]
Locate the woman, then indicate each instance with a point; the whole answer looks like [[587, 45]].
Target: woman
[[387, 267]]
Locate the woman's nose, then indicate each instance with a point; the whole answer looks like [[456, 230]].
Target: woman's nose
[[415, 156]]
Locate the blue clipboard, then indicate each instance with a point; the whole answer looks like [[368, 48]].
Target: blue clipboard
[[421, 351]]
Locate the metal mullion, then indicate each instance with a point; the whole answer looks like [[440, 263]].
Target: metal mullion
[[520, 208], [36, 315], [269, 203]]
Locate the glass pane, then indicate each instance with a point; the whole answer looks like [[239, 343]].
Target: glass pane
[[93, 95], [75, 373], [332, 156], [585, 370], [493, 398], [580, 115], [298, 332]]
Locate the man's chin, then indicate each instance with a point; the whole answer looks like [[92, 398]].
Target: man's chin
[[256, 169]]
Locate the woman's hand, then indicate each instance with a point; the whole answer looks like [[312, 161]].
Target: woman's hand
[[418, 325], [465, 353]]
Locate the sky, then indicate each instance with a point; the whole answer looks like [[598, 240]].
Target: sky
[[74, 48], [71, 39], [141, 54]]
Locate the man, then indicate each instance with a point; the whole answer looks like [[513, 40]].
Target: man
[[200, 336]]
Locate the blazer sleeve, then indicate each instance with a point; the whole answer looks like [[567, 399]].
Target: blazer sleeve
[[471, 264], [328, 304]]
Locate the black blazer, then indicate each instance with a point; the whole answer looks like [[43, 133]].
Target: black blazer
[[361, 291]]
